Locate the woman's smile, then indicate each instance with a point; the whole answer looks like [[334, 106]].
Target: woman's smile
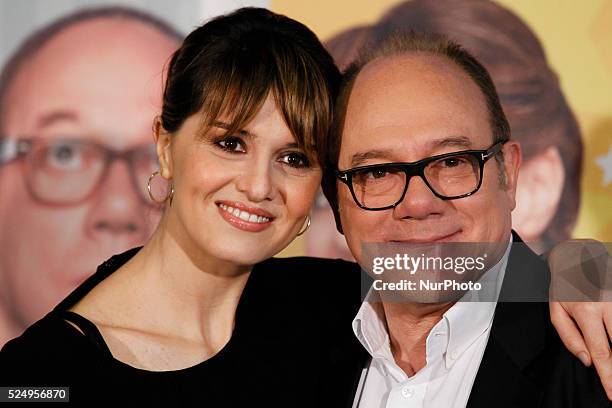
[[243, 217]]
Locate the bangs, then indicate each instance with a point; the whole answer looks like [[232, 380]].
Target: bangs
[[239, 84]]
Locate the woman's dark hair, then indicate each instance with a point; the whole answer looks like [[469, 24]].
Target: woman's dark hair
[[232, 63]]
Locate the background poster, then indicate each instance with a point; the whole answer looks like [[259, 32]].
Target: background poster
[[112, 80], [577, 43], [80, 86]]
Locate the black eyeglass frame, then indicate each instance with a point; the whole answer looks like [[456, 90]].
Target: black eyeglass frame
[[418, 169], [13, 149]]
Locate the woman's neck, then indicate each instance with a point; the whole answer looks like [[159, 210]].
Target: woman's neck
[[170, 287]]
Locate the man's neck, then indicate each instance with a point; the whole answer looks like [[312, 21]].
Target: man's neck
[[409, 325]]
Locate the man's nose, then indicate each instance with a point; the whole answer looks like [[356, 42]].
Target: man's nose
[[257, 181], [117, 212], [419, 201]]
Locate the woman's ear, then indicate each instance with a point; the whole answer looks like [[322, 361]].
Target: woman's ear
[[162, 140], [539, 188]]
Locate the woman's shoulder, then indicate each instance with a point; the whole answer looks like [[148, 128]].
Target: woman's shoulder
[[304, 270], [320, 280], [310, 265], [48, 350]]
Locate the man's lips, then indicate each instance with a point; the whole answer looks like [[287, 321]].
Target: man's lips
[[441, 237]]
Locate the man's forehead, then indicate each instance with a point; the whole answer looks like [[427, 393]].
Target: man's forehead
[[408, 81], [413, 98], [410, 107]]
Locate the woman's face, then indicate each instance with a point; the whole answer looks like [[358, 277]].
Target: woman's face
[[239, 198]]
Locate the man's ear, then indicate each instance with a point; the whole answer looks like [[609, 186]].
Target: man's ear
[[512, 162], [162, 140], [540, 185]]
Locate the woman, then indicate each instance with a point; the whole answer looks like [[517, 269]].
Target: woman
[[194, 317], [247, 105]]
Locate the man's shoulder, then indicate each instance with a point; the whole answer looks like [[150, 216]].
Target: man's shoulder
[[527, 276], [524, 348]]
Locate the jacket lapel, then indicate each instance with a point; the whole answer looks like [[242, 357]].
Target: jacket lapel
[[507, 376]]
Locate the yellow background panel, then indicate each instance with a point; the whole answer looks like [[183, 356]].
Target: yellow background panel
[[577, 38]]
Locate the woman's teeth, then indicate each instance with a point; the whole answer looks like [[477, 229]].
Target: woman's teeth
[[243, 215]]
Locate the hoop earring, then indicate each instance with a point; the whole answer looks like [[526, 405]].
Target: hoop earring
[[166, 198], [303, 230]]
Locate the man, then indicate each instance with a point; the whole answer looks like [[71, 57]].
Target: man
[[409, 100], [548, 194], [77, 102]]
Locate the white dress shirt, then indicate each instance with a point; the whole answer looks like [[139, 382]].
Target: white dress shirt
[[454, 349]]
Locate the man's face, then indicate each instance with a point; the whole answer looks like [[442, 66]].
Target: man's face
[[98, 81], [407, 108]]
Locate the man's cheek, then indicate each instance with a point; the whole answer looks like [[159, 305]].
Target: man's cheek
[[353, 230]]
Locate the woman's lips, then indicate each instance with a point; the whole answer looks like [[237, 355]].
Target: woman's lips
[[243, 217]]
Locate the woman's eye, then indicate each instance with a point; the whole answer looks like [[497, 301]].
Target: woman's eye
[[231, 144], [296, 160]]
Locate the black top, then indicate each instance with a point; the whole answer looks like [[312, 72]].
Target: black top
[[293, 346], [292, 324]]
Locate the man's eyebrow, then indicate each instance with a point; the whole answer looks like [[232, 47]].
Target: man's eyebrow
[[452, 141], [359, 158], [462, 142], [57, 116], [227, 126]]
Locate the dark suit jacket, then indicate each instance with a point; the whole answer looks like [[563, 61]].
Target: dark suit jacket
[[525, 364]]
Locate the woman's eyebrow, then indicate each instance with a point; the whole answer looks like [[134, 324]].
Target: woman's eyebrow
[[227, 126]]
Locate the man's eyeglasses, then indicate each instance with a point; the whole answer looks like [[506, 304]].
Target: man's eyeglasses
[[68, 171], [449, 176]]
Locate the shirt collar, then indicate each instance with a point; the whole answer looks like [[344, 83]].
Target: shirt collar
[[470, 317], [460, 326]]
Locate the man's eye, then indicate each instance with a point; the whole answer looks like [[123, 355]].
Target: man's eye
[[231, 144], [370, 176], [450, 162], [296, 160], [376, 174], [455, 163]]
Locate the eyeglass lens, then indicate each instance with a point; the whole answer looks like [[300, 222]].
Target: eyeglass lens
[[448, 177], [67, 171]]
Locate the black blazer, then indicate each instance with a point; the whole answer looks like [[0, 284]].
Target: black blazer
[[525, 364]]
